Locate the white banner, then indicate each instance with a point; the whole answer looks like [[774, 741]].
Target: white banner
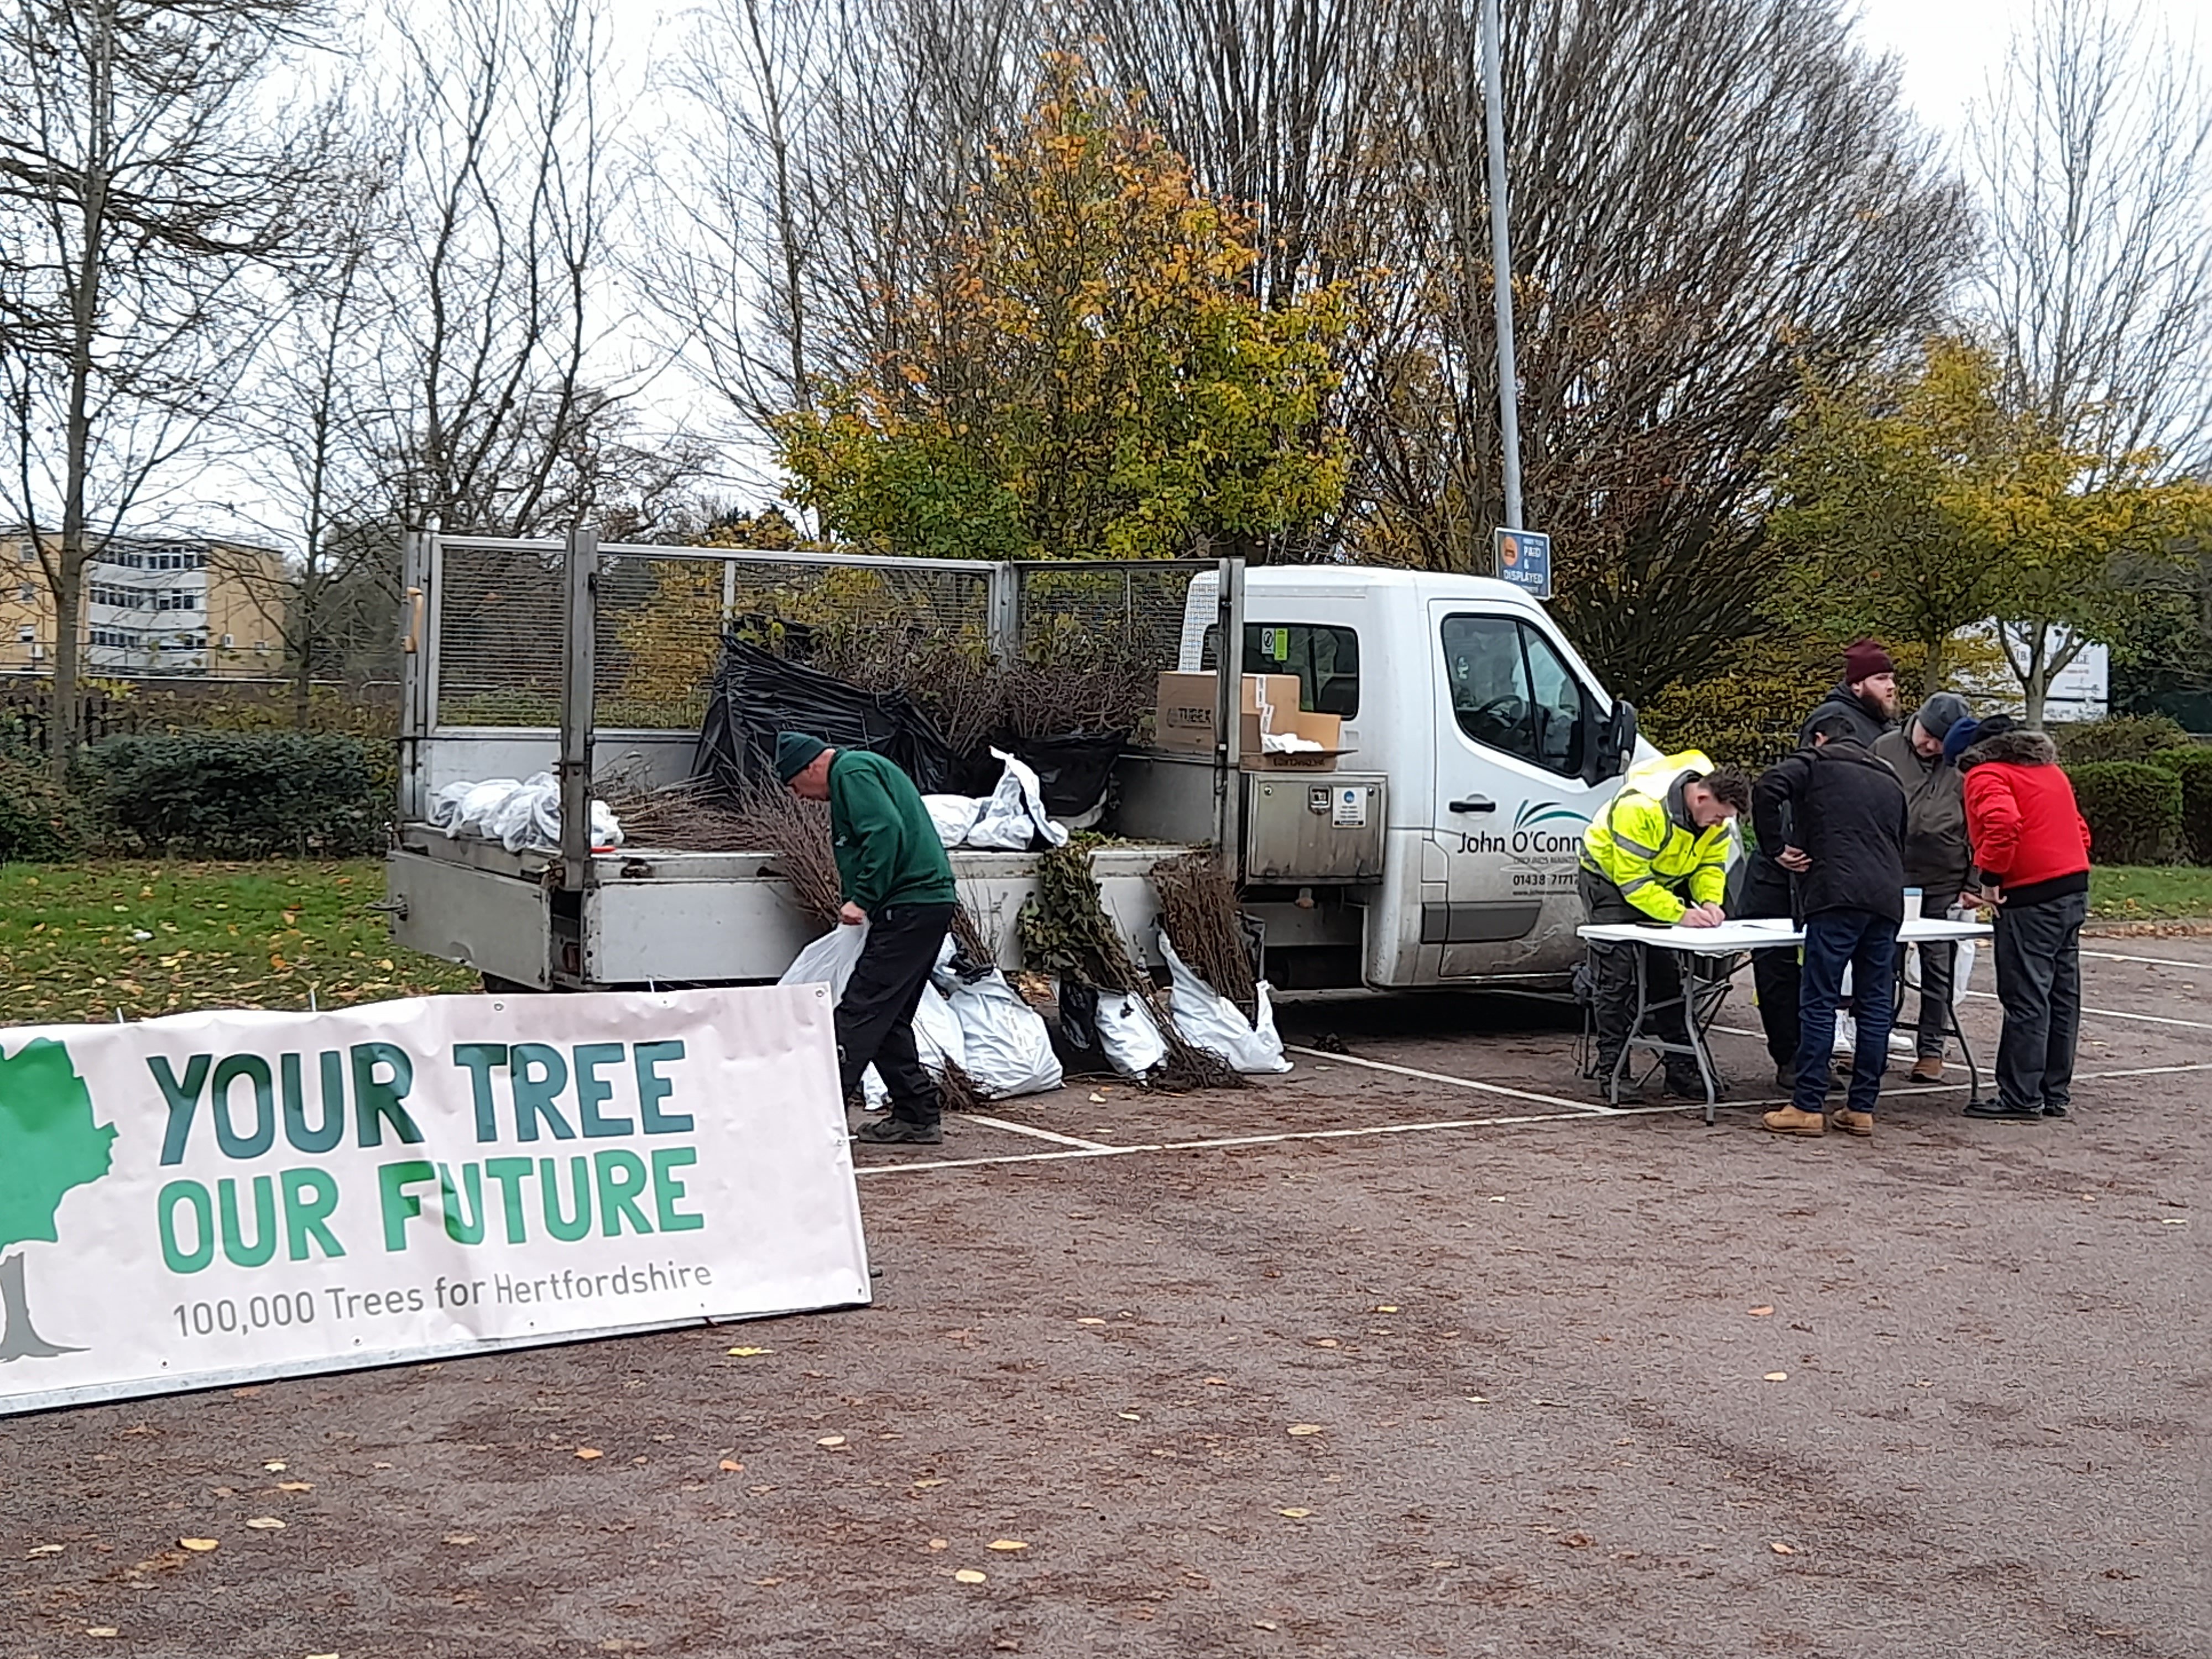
[[213, 1197]]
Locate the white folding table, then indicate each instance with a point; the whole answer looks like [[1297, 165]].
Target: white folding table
[[1735, 937]]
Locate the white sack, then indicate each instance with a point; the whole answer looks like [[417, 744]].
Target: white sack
[[1210, 1021], [1009, 1048], [516, 815], [1015, 813], [829, 960], [953, 815], [939, 1037], [1130, 1041]]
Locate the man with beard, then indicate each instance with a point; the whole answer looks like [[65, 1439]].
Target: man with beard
[[1866, 699]]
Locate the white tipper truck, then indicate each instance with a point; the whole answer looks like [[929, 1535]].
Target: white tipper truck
[[1438, 848]]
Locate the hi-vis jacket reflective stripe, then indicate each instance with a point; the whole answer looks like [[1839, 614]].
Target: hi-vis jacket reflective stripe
[[1646, 844]]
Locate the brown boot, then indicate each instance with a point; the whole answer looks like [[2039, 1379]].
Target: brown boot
[[1789, 1121], [1851, 1123], [1928, 1068]]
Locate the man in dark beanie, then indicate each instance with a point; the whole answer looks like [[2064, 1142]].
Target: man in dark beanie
[[895, 878], [1937, 859], [1866, 697]]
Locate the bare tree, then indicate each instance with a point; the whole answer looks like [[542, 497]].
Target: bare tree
[[2094, 156], [499, 282], [141, 182], [321, 443]]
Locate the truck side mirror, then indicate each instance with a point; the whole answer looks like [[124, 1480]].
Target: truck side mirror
[[1616, 745]]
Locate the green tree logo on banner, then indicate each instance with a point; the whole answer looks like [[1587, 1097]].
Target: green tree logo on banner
[[48, 1144]]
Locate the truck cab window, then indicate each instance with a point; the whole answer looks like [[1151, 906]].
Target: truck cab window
[[1512, 692], [1326, 661]]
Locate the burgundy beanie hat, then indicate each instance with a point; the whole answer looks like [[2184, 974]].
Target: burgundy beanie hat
[[1863, 659]]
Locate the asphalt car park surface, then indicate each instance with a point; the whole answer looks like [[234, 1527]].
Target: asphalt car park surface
[[1414, 1350]]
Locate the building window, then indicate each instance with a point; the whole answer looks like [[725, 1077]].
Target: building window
[[26, 635], [225, 642], [28, 594]]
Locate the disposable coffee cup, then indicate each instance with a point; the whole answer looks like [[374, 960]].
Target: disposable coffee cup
[[1911, 901]]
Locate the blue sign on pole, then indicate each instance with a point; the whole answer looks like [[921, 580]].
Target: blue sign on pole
[[1524, 558]]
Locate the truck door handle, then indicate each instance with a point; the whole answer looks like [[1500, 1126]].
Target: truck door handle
[[1474, 803]]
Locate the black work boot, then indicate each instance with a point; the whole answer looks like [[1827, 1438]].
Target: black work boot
[[900, 1132]]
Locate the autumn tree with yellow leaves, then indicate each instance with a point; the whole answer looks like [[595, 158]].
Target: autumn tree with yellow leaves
[[1922, 503], [1084, 371]]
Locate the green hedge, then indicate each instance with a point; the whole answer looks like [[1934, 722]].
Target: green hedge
[[41, 822], [2120, 737], [2193, 766], [2134, 810], [236, 795]]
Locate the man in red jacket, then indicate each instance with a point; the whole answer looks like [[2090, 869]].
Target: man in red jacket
[[2032, 846]]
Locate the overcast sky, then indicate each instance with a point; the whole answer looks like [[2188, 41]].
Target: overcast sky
[[1949, 47]]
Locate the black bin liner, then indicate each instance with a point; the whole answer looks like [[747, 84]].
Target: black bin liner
[[1073, 769], [756, 694]]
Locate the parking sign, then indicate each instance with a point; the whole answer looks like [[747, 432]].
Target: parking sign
[[1524, 558]]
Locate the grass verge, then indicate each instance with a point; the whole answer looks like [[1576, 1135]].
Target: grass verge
[[85, 942], [2122, 892]]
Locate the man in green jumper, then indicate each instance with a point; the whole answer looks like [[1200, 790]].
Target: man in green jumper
[[895, 877]]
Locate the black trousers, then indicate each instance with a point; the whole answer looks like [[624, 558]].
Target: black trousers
[[875, 1016], [2038, 951], [1774, 974], [1613, 984]]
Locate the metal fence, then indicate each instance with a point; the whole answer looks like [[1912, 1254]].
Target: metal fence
[[661, 614]]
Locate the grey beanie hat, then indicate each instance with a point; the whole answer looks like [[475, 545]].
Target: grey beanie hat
[[1941, 713]]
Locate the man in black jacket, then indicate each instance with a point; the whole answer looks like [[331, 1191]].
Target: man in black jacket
[[1866, 697], [1843, 839]]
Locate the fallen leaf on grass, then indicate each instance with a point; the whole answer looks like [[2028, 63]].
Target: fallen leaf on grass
[[198, 1545], [1307, 1428], [1008, 1545], [275, 1466], [968, 1575], [1760, 1313], [38, 1550], [731, 1465], [1782, 1549], [587, 1453], [1775, 1377], [831, 1442], [1295, 1514], [749, 1353], [265, 1523]]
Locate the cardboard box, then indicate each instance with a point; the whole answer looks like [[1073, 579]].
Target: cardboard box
[[1326, 730], [1184, 721]]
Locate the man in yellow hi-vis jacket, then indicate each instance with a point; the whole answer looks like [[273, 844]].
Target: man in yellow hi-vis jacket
[[1657, 855]]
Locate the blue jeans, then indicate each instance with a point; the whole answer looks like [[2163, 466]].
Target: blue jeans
[[1867, 944]]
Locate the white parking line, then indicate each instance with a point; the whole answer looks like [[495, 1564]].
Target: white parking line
[[1593, 1106], [1579, 1114], [1040, 1134], [2155, 962], [2115, 1013]]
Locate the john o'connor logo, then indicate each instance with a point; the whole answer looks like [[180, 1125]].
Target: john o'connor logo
[[49, 1144]]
